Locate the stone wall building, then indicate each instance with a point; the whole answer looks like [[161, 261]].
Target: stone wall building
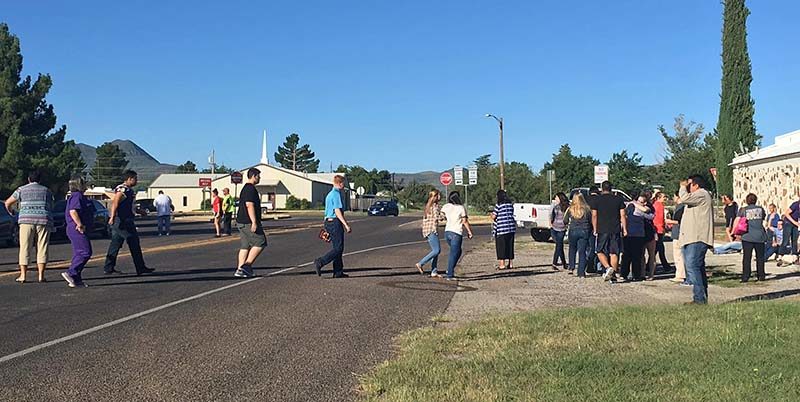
[[772, 173]]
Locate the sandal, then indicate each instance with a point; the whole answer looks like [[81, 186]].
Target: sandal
[[19, 280]]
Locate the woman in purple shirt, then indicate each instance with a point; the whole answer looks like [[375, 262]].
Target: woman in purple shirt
[[79, 217]]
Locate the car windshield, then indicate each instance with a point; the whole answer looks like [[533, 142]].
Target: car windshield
[[380, 204]]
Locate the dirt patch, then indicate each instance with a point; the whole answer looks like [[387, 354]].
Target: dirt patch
[[534, 285]]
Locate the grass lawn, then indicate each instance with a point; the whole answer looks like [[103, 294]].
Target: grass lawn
[[733, 352]]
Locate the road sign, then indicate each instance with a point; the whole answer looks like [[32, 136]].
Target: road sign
[[446, 179], [236, 178], [600, 173], [458, 174], [360, 190], [204, 182], [473, 175]]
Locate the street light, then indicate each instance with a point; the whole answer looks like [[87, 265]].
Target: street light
[[502, 162]]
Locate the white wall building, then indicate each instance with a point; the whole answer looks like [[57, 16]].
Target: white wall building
[[276, 185], [771, 173]]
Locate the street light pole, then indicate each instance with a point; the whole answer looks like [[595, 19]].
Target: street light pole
[[502, 161]]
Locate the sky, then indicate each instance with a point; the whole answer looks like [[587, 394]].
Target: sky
[[398, 85]]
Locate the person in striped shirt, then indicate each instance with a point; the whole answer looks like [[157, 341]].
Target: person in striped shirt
[[505, 228], [433, 215]]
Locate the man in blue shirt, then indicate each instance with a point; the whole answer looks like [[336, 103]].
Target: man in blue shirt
[[335, 225]]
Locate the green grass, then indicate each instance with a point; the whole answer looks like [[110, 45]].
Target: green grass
[[733, 352]]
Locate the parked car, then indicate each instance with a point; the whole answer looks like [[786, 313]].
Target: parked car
[[537, 216], [100, 226], [383, 208], [9, 232], [144, 206]]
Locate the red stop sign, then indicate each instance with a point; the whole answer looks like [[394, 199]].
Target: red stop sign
[[446, 179]]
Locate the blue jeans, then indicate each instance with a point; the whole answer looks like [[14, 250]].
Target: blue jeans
[[433, 256], [163, 224], [790, 234], [336, 230], [770, 250], [694, 257], [558, 237], [578, 243], [454, 240]]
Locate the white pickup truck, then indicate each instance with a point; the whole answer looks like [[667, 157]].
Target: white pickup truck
[[536, 217]]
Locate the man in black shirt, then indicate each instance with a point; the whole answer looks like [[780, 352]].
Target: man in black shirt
[[731, 210], [608, 220], [248, 220]]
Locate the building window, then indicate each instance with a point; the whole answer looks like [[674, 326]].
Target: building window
[[185, 201]]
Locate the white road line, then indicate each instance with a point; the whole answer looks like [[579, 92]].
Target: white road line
[[408, 223], [177, 302]]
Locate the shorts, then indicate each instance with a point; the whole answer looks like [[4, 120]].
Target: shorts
[[609, 243], [250, 239], [31, 236]]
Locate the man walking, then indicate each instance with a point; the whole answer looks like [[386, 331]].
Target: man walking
[[697, 235], [336, 225], [123, 228], [608, 221], [248, 220], [35, 222], [164, 212], [227, 209]]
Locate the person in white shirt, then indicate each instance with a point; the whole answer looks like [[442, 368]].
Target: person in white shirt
[[164, 212], [457, 220]]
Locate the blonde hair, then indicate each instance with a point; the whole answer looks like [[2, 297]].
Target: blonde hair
[[431, 195], [578, 207]]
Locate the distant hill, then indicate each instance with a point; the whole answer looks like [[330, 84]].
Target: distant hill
[[139, 160], [427, 177]]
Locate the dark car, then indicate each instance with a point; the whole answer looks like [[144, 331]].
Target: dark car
[[383, 208], [8, 228], [100, 219], [144, 206]]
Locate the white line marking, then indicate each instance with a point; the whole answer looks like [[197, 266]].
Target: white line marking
[[177, 302], [408, 223]]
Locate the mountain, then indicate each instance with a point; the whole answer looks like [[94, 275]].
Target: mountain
[[139, 160], [426, 177]]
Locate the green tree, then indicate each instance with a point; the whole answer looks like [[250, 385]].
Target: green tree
[[483, 161], [625, 171], [187, 167], [735, 127], [688, 151], [522, 185], [571, 170], [295, 157], [373, 181], [414, 195], [27, 139], [109, 165], [221, 169]]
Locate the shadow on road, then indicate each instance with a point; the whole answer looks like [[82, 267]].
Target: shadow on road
[[767, 296], [515, 273]]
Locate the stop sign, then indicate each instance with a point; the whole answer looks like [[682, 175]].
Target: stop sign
[[446, 179]]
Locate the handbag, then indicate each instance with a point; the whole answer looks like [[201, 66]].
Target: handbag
[[324, 235], [742, 227]]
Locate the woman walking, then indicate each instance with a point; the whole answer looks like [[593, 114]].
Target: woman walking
[[578, 218], [505, 230], [429, 222], [754, 238], [216, 206], [558, 229], [457, 221], [79, 216]]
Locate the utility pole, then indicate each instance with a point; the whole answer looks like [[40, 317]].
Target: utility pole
[[502, 161], [212, 162]]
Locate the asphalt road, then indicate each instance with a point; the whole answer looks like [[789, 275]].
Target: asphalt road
[[285, 335]]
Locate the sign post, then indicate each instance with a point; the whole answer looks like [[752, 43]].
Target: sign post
[[236, 179], [600, 173], [551, 176], [204, 182], [458, 175]]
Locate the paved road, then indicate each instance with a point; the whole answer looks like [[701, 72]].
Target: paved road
[[286, 335]]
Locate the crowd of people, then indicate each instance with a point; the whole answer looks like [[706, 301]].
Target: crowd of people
[[621, 241]]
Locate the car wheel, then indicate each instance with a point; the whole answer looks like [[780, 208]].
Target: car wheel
[[264, 211], [540, 235]]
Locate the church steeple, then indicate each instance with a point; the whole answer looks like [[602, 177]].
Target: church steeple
[[264, 159]]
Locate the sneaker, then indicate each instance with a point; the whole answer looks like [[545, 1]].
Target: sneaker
[[67, 277], [435, 274], [685, 283], [240, 272], [145, 270], [341, 275], [451, 278], [608, 275], [318, 266]]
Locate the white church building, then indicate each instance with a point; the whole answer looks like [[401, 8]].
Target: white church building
[[772, 173], [276, 186]]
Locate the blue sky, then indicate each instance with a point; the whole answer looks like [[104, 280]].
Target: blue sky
[[400, 85]]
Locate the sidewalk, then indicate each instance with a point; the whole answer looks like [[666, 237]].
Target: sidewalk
[[533, 284]]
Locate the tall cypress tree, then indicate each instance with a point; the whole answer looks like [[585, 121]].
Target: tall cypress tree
[[736, 106]]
